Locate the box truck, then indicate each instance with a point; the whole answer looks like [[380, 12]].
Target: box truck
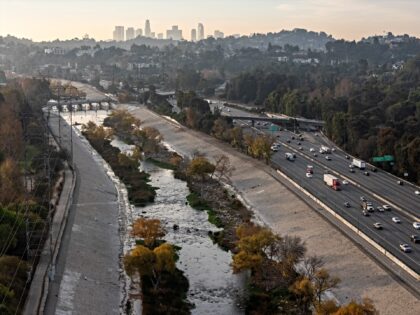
[[359, 163], [332, 181]]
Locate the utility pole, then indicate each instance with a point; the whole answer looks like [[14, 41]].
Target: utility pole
[[71, 137], [59, 115]]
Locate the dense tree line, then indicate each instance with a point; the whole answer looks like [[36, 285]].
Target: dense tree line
[[24, 189], [368, 111]]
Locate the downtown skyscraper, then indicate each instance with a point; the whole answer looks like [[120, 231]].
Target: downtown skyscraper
[[147, 29], [118, 34], [200, 30]]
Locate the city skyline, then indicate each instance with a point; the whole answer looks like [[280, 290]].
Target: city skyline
[[351, 20], [174, 33]]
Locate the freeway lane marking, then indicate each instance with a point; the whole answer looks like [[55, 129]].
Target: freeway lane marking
[[353, 182]]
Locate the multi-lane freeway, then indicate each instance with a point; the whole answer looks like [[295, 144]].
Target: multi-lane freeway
[[379, 187]]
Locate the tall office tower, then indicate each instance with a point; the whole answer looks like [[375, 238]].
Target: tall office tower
[[193, 35], [129, 33], [174, 33], [218, 34], [118, 33], [160, 36], [147, 29], [139, 32], [200, 30]]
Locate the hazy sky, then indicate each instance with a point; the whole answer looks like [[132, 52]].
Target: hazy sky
[[350, 19]]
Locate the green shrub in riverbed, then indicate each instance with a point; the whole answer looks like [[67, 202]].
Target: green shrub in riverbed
[[162, 164], [196, 202], [140, 192]]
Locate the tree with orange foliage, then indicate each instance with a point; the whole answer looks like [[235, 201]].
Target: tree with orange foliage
[[151, 262], [150, 230], [354, 308]]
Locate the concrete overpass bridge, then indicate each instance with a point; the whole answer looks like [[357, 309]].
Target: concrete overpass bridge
[[80, 105], [286, 121]]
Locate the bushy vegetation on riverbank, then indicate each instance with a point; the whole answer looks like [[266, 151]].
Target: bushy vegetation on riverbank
[[124, 166], [29, 169]]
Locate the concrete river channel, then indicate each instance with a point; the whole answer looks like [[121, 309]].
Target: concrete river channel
[[214, 289]]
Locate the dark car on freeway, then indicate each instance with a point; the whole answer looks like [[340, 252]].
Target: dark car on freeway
[[415, 238]]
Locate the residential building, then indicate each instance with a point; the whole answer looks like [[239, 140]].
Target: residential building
[[147, 29], [118, 33], [200, 30], [129, 33], [174, 33], [218, 34], [54, 51], [193, 35]]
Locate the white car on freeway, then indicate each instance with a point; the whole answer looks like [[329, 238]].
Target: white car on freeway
[[405, 248], [396, 220], [416, 225], [309, 175], [417, 192], [312, 150], [386, 207], [345, 182]]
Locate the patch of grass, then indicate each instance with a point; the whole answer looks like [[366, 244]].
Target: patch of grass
[[214, 219], [162, 164], [196, 202]]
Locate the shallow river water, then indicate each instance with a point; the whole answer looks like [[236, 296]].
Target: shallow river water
[[214, 289]]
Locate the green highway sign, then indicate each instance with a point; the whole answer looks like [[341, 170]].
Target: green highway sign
[[378, 159], [389, 158], [274, 128], [385, 158]]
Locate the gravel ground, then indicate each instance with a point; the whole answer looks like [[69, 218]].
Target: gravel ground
[[285, 213]]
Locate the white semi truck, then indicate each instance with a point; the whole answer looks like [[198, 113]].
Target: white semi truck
[[359, 164]]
